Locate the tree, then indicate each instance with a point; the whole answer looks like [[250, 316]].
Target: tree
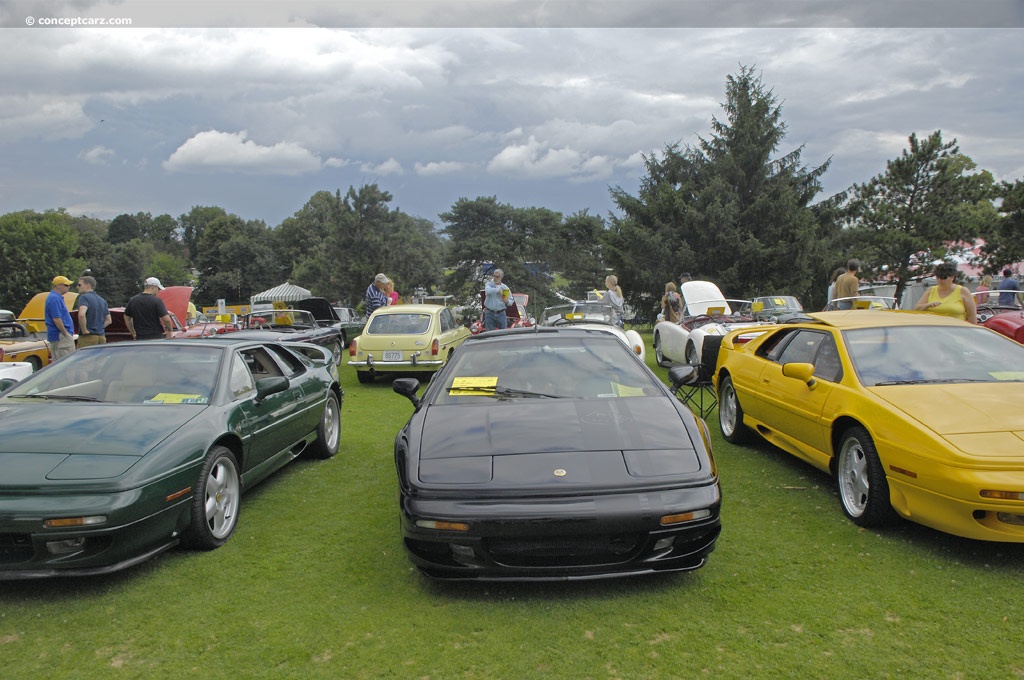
[[728, 210], [193, 224], [236, 259], [124, 228], [346, 241], [34, 248], [905, 218], [1004, 242], [484, 234]]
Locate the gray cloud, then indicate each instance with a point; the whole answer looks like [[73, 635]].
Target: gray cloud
[[545, 116]]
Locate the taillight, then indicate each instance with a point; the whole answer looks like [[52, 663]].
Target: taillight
[[435, 348], [352, 348]]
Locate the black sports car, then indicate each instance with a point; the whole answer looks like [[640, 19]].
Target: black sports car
[[292, 325], [553, 453]]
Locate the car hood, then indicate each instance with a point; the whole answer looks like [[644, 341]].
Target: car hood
[[106, 439], [557, 443], [319, 307], [981, 419]]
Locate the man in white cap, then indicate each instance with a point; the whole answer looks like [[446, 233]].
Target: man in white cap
[[59, 329], [146, 315], [376, 294]]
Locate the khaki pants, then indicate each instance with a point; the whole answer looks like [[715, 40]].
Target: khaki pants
[[60, 349], [91, 339]]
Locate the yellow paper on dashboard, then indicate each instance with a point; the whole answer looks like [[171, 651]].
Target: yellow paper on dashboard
[[473, 385]]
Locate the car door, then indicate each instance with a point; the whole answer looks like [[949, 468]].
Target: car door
[[273, 423], [791, 407], [449, 332]]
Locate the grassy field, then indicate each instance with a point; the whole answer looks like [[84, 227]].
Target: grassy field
[[314, 584]]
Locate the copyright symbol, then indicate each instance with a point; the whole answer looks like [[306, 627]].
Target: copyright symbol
[[29, 21]]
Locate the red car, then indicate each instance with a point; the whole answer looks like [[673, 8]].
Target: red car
[[1010, 324]]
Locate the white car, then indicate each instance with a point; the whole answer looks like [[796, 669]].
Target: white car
[[595, 316], [706, 312]]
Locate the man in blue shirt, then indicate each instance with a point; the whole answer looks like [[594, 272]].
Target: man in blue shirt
[[59, 329], [1009, 290], [376, 296], [93, 313], [497, 297]]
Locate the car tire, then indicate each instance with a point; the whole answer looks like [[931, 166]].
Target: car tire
[[863, 489], [35, 362], [364, 377], [730, 414], [658, 356], [691, 354], [336, 350], [328, 432], [216, 501]]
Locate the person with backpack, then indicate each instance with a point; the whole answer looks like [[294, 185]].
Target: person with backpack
[[671, 303]]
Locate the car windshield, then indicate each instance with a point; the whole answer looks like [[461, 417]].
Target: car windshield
[[282, 318], [933, 354], [543, 367], [777, 303], [398, 324], [578, 312], [127, 373]]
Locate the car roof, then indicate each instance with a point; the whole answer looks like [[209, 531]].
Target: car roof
[[409, 309], [868, 318]]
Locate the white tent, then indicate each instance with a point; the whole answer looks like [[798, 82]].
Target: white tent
[[286, 292]]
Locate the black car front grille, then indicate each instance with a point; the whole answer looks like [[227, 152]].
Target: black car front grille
[[15, 548], [566, 551]]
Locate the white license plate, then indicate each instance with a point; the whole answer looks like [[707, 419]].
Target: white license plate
[[392, 355]]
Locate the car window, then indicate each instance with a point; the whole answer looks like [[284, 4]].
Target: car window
[[771, 348], [447, 320], [291, 364], [399, 324], [802, 348], [241, 381], [598, 366], [920, 354]]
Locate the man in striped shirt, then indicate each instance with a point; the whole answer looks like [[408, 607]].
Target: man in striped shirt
[[375, 295]]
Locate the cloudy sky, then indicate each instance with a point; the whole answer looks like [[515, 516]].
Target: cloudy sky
[[254, 106]]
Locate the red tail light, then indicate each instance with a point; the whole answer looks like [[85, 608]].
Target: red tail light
[[435, 348], [352, 348]]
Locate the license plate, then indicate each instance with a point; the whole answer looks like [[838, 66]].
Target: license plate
[[392, 355]]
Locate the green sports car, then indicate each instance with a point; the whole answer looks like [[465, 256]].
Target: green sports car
[[118, 452]]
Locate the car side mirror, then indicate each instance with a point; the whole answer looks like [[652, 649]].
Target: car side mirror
[[407, 387], [800, 371], [267, 386]]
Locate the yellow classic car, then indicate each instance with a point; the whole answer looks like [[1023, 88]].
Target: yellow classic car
[[915, 415], [405, 339], [18, 344]]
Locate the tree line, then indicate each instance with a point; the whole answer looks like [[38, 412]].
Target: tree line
[[732, 208]]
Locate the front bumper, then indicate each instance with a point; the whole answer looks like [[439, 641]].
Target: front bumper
[[573, 538]]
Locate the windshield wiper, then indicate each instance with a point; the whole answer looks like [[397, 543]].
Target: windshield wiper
[[56, 397], [513, 392]]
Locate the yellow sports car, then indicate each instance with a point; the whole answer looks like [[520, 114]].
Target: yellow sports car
[[405, 339], [915, 415]]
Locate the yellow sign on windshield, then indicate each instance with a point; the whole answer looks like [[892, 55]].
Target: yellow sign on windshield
[[470, 385]]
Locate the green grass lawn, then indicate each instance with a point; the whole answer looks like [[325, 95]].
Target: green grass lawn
[[315, 584]]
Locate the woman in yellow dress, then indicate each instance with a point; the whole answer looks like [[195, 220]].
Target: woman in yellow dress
[[947, 298]]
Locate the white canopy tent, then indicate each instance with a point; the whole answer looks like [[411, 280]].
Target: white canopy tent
[[286, 292]]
